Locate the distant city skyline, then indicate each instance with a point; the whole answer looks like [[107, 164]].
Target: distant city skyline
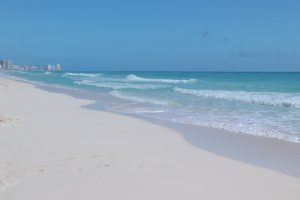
[[153, 35], [10, 65]]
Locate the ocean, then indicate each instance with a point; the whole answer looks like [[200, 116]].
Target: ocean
[[261, 104]]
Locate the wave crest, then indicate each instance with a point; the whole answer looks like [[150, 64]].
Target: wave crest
[[264, 98], [120, 95], [82, 74], [116, 85], [256, 131], [135, 78]]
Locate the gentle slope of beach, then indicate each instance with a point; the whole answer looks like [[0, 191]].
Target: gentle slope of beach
[[259, 104], [53, 148]]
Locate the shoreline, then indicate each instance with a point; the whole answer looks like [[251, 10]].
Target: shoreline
[[272, 153], [111, 98], [59, 146]]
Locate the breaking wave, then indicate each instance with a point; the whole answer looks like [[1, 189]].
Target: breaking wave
[[116, 85], [248, 130], [135, 78], [264, 98], [120, 95], [82, 74]]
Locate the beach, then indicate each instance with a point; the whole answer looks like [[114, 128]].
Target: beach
[[53, 147]]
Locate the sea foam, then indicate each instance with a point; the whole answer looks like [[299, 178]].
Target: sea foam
[[242, 129], [264, 98], [135, 78], [121, 95], [82, 74], [117, 85]]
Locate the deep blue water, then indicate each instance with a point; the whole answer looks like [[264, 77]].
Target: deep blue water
[[265, 104]]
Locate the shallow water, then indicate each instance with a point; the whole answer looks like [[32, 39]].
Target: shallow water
[[264, 104]]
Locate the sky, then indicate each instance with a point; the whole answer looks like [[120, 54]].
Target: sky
[[197, 35]]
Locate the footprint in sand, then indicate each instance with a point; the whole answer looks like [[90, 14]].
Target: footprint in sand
[[5, 120]]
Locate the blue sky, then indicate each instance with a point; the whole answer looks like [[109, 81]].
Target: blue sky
[[153, 35]]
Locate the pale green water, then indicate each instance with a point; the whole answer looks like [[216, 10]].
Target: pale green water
[[265, 104]]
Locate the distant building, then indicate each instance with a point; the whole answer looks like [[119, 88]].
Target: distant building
[[6, 64], [33, 68], [48, 68], [1, 64], [58, 67], [10, 64]]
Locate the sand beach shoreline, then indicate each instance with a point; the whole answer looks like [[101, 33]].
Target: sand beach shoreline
[[52, 147]]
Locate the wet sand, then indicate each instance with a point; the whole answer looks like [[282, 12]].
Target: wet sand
[[56, 148]]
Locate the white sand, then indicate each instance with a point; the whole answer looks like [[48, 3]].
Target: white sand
[[52, 148]]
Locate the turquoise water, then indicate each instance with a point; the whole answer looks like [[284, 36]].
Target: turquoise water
[[264, 104]]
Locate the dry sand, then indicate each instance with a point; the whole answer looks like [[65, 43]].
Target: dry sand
[[53, 148]]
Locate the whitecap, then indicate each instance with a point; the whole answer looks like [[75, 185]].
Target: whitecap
[[81, 74], [135, 78], [118, 85], [242, 129], [120, 95], [264, 98]]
